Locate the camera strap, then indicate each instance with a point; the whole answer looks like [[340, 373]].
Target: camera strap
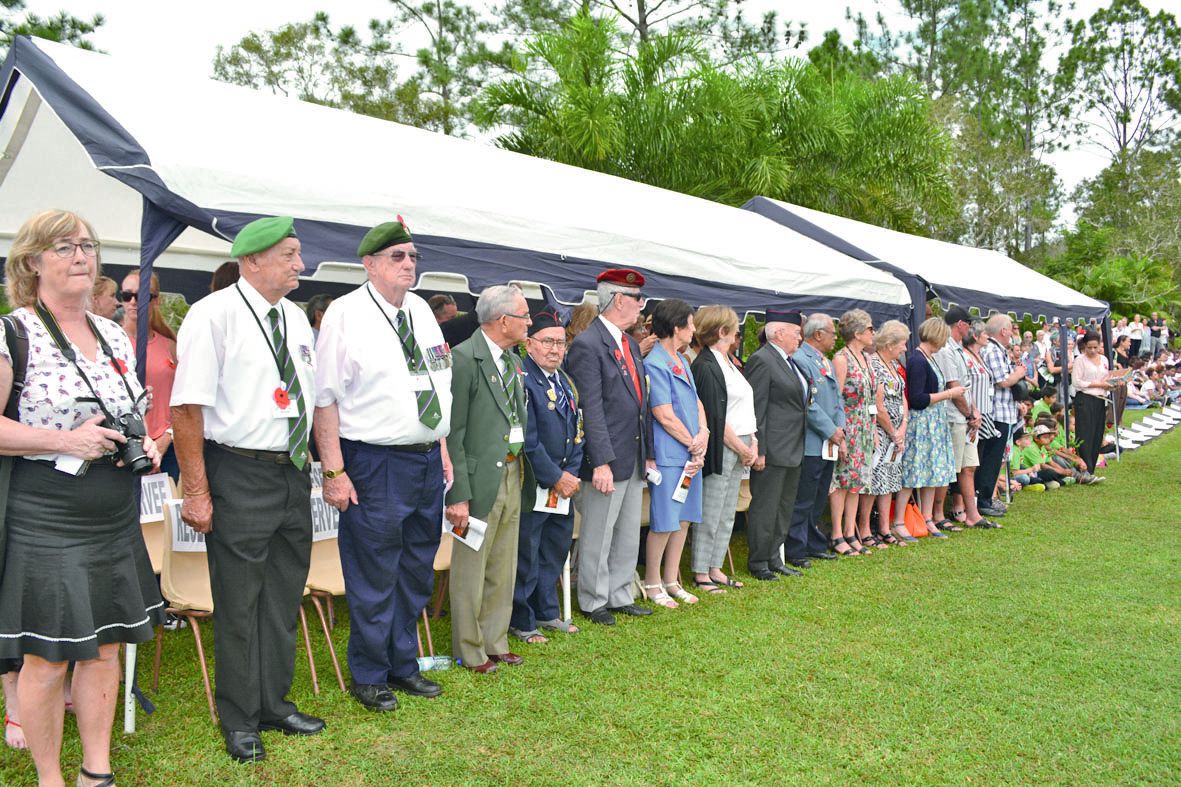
[[63, 346]]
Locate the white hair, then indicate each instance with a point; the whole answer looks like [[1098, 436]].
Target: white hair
[[496, 301]]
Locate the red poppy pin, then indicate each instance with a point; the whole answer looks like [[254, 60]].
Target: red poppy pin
[[677, 370], [619, 356], [119, 365], [281, 398]]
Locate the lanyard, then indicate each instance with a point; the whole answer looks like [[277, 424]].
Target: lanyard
[[265, 334], [63, 346], [409, 325]]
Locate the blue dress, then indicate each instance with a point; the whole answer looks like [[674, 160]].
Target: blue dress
[[670, 382]]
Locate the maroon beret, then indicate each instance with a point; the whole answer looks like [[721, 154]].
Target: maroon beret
[[625, 276]]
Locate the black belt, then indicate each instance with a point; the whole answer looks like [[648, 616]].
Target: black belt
[[412, 448], [272, 457]]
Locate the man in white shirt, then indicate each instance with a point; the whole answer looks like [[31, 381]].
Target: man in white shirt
[[241, 412], [383, 411]]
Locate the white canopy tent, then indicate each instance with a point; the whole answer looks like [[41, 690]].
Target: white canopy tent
[[170, 168]]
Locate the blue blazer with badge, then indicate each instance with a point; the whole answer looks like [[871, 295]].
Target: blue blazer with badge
[[669, 387], [552, 442], [826, 413], [616, 421]]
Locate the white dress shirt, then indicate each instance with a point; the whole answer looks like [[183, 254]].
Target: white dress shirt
[[225, 364], [363, 370], [740, 397], [613, 329]]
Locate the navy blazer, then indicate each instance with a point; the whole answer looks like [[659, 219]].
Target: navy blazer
[[617, 425], [552, 442]]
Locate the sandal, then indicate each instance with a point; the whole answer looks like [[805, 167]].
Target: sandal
[[960, 516], [660, 598], [947, 524], [833, 543], [102, 779], [533, 637], [873, 541], [557, 624], [729, 582], [889, 538], [860, 549], [709, 586], [17, 741], [680, 594], [933, 529], [905, 539]]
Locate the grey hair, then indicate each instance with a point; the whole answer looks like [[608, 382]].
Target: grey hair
[[606, 292], [853, 322], [996, 323], [974, 334], [496, 301], [815, 324]]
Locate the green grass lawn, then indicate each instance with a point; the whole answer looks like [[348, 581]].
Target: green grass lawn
[[1043, 652]]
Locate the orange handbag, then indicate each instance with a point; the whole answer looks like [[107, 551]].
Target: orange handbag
[[913, 519]]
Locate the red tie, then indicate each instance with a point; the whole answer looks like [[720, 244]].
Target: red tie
[[631, 368]]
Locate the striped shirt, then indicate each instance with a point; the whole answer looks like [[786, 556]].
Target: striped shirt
[[996, 359]]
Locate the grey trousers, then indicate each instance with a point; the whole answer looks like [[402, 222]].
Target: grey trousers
[[608, 543], [719, 499], [772, 500]]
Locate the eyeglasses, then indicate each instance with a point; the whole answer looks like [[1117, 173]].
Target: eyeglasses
[[524, 316], [399, 255], [551, 344], [639, 297], [124, 296], [65, 249]]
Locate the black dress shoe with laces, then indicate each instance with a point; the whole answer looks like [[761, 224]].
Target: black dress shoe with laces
[[787, 572], [764, 574], [245, 746], [416, 686], [601, 616], [824, 556], [635, 610], [295, 724], [374, 696], [800, 562]]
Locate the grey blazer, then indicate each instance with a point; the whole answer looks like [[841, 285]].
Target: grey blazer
[[780, 405]]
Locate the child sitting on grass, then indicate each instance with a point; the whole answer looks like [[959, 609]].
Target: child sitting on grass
[[1032, 465], [1067, 457]]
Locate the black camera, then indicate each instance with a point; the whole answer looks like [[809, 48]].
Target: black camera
[[131, 453]]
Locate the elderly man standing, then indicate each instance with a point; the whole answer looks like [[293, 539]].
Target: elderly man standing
[[825, 422], [241, 413], [782, 396], [963, 421], [553, 446], [995, 355], [488, 419], [606, 365], [383, 407]]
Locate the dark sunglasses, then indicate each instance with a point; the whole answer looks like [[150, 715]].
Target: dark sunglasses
[[123, 296]]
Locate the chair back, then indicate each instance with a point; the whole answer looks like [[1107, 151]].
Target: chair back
[[153, 529], [324, 573], [443, 555], [184, 575]]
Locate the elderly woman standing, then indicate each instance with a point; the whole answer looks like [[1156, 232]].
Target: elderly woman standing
[[851, 475], [886, 475], [76, 578], [729, 406], [679, 441], [928, 462]]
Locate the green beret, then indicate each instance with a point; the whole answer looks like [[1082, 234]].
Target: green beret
[[383, 236], [261, 234]]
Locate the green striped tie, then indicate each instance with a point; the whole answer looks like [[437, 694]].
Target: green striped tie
[[508, 380], [429, 411], [297, 430]]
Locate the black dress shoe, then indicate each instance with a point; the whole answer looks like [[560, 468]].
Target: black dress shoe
[[764, 574], [635, 610], [245, 746], [601, 616], [416, 685], [295, 724], [824, 556], [800, 562], [787, 572], [374, 696]]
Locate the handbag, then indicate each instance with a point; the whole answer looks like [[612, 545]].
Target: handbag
[[913, 519]]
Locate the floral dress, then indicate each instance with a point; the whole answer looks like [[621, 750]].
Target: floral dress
[[928, 461], [886, 478], [852, 474]]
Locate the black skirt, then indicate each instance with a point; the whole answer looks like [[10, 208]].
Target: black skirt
[[76, 571]]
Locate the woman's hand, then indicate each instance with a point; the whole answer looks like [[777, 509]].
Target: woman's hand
[[91, 441]]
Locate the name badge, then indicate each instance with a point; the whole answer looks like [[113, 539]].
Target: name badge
[[516, 434], [873, 410], [420, 382]]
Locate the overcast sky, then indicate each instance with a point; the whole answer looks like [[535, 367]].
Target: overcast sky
[[183, 36]]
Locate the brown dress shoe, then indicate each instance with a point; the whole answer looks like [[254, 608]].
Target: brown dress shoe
[[485, 668], [512, 659]]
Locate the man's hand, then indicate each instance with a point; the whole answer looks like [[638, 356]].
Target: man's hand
[[567, 485], [602, 479], [838, 437], [457, 514], [759, 464], [339, 492], [197, 511]]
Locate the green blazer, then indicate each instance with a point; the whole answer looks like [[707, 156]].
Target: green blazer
[[480, 421]]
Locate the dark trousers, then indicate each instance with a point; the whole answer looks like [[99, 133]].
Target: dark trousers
[[541, 553], [259, 550], [992, 454], [388, 543], [772, 499], [804, 537], [1090, 421]]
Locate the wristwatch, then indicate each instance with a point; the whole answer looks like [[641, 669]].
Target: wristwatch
[[333, 473]]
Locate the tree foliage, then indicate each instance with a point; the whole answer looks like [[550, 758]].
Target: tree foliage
[[62, 27]]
